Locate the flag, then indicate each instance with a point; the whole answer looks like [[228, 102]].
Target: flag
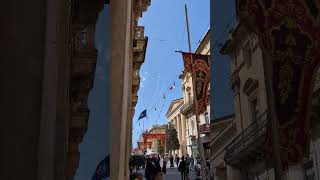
[[102, 170], [143, 114], [172, 86], [199, 66]]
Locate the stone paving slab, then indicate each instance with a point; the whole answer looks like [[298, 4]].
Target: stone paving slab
[[173, 174]]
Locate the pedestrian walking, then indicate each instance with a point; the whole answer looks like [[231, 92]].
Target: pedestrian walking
[[161, 162], [177, 160], [171, 161], [164, 164], [191, 163], [187, 165], [157, 163], [182, 168], [150, 170]]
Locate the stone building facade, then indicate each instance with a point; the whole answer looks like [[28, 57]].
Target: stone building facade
[[177, 120], [238, 150], [156, 129], [128, 48], [181, 111], [151, 144], [49, 55], [50, 63]]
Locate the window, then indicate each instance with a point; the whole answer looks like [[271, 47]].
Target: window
[[254, 108], [247, 54], [84, 38], [206, 116]]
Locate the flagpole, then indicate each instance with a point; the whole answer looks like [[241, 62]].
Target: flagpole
[[200, 144]]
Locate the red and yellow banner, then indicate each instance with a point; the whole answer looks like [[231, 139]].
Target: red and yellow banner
[[199, 65]]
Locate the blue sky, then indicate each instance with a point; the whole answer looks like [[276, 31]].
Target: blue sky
[[165, 26]]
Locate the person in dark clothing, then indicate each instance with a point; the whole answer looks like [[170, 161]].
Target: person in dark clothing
[[150, 170], [157, 163], [182, 168], [164, 164], [187, 165], [171, 162], [178, 160]]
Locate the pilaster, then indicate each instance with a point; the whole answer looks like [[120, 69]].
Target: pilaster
[[295, 172], [184, 141]]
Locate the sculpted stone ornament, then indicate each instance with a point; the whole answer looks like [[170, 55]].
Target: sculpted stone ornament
[[235, 81]]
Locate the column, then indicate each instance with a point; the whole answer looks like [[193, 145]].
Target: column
[[233, 173], [183, 121], [295, 172], [120, 35], [179, 134]]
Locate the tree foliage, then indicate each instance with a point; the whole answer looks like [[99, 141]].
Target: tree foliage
[[136, 161], [172, 141], [160, 147]]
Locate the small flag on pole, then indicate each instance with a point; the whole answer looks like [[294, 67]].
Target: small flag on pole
[[102, 170], [172, 86], [143, 114]]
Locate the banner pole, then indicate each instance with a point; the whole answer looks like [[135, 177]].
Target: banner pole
[[195, 102]]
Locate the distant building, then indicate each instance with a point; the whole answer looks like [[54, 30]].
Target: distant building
[[178, 121], [152, 139]]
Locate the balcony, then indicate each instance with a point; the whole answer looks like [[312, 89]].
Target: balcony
[[248, 145], [193, 141], [204, 128], [187, 107]]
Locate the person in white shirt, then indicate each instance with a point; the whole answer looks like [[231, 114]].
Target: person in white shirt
[[161, 162]]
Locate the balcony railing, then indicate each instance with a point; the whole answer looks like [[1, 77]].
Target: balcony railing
[[187, 106], [247, 141]]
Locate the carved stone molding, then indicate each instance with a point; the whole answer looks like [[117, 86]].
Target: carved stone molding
[[250, 85], [235, 81], [82, 69]]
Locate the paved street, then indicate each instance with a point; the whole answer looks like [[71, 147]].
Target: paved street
[[173, 174]]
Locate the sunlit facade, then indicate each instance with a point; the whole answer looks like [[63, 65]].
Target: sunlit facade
[[181, 112]]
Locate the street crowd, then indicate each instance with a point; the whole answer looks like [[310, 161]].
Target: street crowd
[[156, 166]]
